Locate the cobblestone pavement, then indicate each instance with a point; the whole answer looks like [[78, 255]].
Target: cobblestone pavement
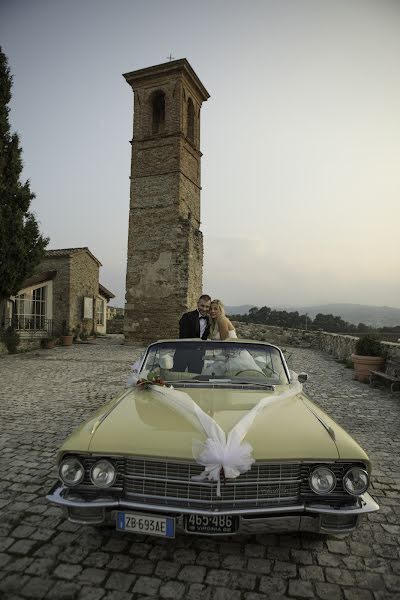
[[45, 394]]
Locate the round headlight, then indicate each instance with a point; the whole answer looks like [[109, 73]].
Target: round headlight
[[322, 480], [356, 481], [103, 473], [71, 471]]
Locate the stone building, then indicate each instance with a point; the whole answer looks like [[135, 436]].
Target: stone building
[[64, 292], [114, 312], [103, 298], [165, 245]]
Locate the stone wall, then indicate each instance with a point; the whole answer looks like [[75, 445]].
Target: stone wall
[[26, 344], [84, 283], [115, 326], [340, 346], [61, 286]]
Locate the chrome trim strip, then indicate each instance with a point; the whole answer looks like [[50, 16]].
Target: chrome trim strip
[[209, 484], [190, 461], [99, 421], [327, 427], [57, 493], [92, 488], [366, 505], [218, 502]]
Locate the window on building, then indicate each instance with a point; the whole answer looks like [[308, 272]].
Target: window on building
[[158, 103], [31, 308], [190, 120], [99, 311]]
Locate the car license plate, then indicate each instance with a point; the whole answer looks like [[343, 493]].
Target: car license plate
[[147, 524], [222, 524]]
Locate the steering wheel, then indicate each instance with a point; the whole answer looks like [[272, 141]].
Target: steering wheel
[[259, 373]]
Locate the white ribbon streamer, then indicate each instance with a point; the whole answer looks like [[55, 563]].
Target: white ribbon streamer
[[219, 452]]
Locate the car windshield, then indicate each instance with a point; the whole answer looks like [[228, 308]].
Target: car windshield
[[215, 361]]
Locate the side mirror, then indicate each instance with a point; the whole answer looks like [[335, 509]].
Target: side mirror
[[302, 377]]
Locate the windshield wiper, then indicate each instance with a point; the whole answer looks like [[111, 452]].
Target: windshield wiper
[[270, 386], [221, 381], [191, 380]]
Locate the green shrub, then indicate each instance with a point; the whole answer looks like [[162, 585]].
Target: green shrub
[[11, 339], [369, 346]]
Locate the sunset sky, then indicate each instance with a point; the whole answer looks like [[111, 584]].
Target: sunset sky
[[301, 136]]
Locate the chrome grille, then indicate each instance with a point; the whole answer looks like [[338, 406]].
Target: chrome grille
[[169, 482], [265, 484]]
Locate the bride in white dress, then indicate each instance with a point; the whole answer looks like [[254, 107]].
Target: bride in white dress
[[222, 329], [220, 326]]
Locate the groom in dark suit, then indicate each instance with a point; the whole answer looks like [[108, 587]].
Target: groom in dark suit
[[193, 324]]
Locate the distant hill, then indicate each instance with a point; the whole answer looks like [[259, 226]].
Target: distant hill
[[376, 316], [238, 310]]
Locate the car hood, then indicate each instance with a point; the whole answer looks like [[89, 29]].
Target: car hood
[[136, 422]]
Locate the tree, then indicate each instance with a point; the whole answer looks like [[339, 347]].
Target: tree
[[21, 244], [331, 323]]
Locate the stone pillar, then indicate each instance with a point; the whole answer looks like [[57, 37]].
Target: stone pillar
[[165, 244]]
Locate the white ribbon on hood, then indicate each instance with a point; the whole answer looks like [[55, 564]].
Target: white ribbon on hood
[[220, 451]]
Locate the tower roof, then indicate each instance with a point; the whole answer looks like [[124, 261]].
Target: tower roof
[[175, 66]]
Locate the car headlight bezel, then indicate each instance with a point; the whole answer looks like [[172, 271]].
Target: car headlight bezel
[[108, 464], [322, 492], [79, 467], [346, 479]]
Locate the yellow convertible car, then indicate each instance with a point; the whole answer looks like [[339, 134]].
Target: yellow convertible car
[[213, 438]]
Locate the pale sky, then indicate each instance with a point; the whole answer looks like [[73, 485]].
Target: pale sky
[[301, 136]]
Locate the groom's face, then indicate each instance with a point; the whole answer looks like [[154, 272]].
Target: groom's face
[[203, 307]]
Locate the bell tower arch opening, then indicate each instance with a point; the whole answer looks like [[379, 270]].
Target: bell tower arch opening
[[158, 112], [190, 120]]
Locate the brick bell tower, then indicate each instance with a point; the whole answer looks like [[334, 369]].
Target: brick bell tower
[[165, 244]]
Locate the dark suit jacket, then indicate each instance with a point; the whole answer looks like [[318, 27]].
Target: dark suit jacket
[[189, 326]]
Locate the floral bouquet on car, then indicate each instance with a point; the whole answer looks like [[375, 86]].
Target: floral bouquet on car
[[151, 379]]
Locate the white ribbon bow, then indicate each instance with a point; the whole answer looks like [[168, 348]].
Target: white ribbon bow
[[219, 452]]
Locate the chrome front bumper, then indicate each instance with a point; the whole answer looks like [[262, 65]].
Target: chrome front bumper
[[312, 517]]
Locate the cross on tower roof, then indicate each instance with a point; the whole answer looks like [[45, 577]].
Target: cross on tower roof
[[170, 57]]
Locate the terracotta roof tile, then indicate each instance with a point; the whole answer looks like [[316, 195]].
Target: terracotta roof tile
[[61, 252]]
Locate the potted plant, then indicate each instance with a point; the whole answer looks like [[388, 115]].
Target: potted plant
[[66, 336], [369, 355]]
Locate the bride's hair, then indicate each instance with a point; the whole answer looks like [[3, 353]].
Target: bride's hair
[[214, 322], [220, 305]]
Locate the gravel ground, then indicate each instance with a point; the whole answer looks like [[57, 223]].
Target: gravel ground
[[45, 394]]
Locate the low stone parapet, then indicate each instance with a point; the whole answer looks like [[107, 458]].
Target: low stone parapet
[[339, 345]]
